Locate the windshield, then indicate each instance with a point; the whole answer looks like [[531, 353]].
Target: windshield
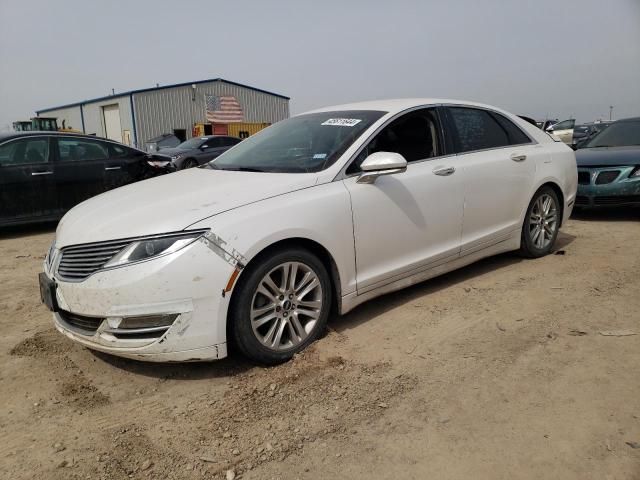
[[618, 134], [306, 143], [192, 143]]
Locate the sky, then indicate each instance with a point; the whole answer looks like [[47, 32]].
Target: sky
[[541, 58]]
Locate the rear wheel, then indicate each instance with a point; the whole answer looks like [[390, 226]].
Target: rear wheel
[[281, 305], [541, 224]]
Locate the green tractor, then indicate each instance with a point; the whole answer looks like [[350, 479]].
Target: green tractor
[[42, 124]]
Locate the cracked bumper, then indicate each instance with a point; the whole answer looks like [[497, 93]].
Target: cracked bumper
[[185, 286]]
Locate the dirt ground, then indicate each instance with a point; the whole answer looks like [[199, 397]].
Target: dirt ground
[[497, 371]]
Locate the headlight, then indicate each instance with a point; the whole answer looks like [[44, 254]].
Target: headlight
[[146, 248], [159, 163]]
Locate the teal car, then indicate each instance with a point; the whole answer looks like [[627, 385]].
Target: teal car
[[609, 166]]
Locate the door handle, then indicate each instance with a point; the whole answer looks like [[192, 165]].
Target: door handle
[[518, 158], [35, 174], [112, 168], [444, 171]]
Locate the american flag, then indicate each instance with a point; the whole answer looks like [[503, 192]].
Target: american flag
[[223, 109]]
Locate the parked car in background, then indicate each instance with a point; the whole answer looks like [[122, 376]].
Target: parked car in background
[[563, 130], [44, 174], [609, 166], [166, 140], [324, 210], [197, 151], [544, 124], [584, 133]]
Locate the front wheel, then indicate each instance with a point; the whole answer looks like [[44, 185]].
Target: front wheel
[[281, 306], [541, 224], [189, 163]]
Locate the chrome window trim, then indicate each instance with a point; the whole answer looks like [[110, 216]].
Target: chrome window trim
[[343, 175]]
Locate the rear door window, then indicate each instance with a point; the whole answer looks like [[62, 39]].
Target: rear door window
[[81, 150], [515, 134], [26, 151], [476, 129]]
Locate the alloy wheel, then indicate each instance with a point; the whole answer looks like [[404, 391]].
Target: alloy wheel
[[543, 221], [286, 306]]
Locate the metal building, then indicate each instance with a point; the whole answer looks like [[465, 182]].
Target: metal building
[[136, 116]]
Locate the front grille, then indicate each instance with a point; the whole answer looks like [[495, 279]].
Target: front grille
[[617, 200], [87, 325], [78, 262], [584, 178], [580, 200], [607, 177]]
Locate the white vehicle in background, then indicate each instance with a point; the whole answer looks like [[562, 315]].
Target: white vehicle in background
[[315, 214], [563, 130]]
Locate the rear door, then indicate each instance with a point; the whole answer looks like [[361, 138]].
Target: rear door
[[27, 186], [498, 160], [79, 169]]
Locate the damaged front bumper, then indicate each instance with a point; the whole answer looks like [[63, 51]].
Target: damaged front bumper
[[170, 308]]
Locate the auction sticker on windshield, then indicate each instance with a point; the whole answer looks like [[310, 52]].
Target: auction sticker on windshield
[[342, 122]]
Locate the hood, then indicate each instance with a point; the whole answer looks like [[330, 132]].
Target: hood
[[169, 152], [170, 203], [608, 156]]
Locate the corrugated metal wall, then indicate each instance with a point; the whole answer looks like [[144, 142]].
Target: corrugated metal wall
[[162, 111], [70, 115]]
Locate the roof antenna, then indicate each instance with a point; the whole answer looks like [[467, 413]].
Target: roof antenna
[[113, 91], [157, 85]]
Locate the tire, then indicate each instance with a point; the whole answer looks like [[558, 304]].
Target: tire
[[189, 163], [280, 327], [539, 232]]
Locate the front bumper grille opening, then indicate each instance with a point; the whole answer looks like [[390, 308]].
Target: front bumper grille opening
[[81, 323], [581, 200], [617, 200], [138, 333], [607, 177], [584, 178]]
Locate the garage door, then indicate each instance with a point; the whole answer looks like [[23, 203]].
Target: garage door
[[112, 126]]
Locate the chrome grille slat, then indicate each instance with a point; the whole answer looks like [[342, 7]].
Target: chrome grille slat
[[96, 251], [80, 261], [83, 262]]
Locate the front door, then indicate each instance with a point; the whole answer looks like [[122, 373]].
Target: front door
[[407, 222], [27, 187]]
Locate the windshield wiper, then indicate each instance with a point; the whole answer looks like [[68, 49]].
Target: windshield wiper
[[242, 169]]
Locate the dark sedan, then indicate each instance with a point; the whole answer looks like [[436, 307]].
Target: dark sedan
[[609, 166], [196, 151], [44, 174]]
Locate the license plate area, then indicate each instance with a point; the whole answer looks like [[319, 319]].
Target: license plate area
[[48, 292]]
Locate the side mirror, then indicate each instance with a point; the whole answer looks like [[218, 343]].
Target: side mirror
[[379, 164], [204, 147]]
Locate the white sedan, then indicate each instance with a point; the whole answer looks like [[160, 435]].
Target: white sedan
[[315, 214]]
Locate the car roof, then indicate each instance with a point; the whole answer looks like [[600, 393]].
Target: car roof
[[398, 105], [632, 119], [6, 136]]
